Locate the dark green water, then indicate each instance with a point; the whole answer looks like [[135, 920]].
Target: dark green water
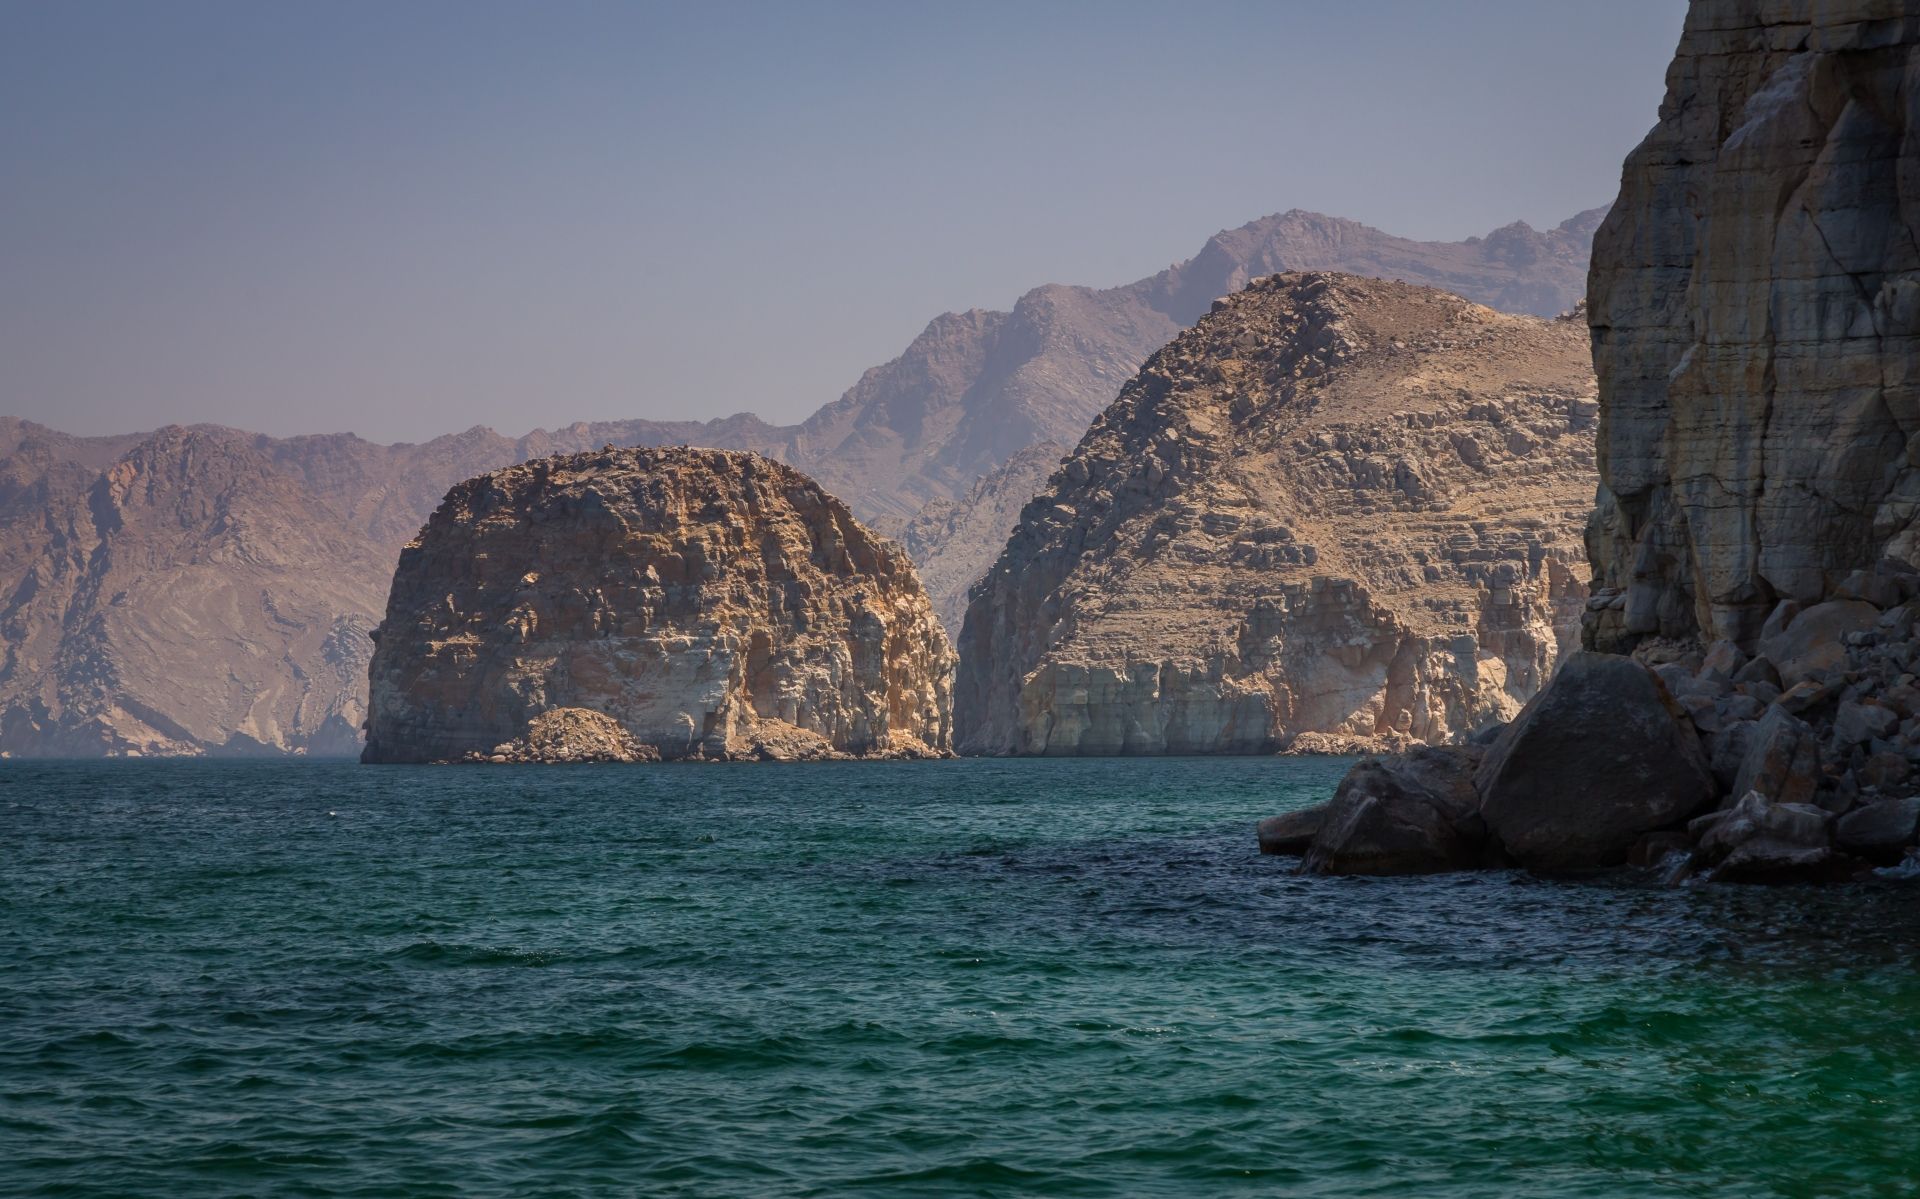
[[968, 978]]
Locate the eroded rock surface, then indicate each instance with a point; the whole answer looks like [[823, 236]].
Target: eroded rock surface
[[1338, 508], [1755, 303], [710, 603]]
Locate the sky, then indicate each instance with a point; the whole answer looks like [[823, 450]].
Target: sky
[[406, 218]]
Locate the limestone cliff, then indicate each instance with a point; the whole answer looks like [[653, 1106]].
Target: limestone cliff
[[713, 603], [1338, 513], [1755, 300]]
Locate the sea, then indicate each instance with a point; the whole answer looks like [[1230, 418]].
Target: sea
[[964, 978]]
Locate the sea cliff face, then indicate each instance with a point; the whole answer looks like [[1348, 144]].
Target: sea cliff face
[[1755, 301], [1340, 513], [712, 603]]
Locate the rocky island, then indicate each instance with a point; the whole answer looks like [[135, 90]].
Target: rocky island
[[1752, 707], [1339, 513], [682, 602]]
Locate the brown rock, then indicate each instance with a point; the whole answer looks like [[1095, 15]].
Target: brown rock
[[1305, 516], [1760, 841], [571, 735], [1596, 760], [707, 602]]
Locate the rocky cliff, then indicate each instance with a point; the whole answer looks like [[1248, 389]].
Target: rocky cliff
[[1338, 513], [1755, 300], [203, 590], [713, 604]]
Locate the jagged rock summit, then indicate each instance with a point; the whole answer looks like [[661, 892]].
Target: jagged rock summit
[[709, 603], [1339, 513]]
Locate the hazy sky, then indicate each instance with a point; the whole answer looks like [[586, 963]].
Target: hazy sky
[[407, 218]]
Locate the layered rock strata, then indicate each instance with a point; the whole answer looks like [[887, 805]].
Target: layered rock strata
[[1339, 513], [1755, 303], [710, 604]]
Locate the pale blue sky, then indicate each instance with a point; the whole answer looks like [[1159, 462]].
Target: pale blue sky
[[407, 218]]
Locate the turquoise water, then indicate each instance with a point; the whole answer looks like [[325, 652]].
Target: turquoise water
[[959, 978]]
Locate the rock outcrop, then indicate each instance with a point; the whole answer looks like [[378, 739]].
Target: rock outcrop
[[1755, 302], [1338, 513], [711, 604]]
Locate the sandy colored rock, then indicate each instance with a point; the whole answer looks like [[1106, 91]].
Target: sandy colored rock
[[706, 601], [1338, 506], [561, 736], [1755, 303]]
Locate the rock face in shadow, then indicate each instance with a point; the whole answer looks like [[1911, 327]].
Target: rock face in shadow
[[1598, 759], [1413, 813], [1339, 512], [1755, 303], [712, 604]]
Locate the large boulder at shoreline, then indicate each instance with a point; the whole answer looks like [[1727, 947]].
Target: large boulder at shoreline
[[1412, 813], [1337, 508], [708, 603], [1596, 760]]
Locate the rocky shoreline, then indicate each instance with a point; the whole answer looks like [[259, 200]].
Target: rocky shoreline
[[1798, 762]]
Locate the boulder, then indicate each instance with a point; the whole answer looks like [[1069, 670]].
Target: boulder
[[1859, 722], [1290, 833], [1814, 644], [1782, 761], [1880, 831], [1760, 841], [1411, 813], [1596, 760]]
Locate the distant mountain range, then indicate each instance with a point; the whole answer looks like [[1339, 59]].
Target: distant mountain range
[[206, 590]]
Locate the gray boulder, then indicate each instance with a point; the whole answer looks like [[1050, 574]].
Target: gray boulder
[[1412, 813], [1598, 758], [1760, 841], [1782, 761], [1290, 833], [1880, 831], [1814, 643]]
